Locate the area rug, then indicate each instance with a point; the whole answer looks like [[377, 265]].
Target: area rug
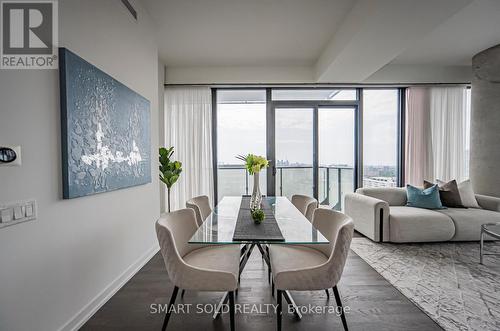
[[444, 280]]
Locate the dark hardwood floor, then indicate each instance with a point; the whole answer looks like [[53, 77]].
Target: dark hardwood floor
[[374, 303]]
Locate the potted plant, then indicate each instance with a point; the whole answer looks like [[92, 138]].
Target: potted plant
[[254, 164], [169, 170], [258, 216]]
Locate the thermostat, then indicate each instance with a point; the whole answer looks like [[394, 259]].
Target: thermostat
[[10, 155]]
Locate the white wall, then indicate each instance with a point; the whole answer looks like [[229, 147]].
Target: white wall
[[236, 75], [389, 74], [54, 270], [161, 124]]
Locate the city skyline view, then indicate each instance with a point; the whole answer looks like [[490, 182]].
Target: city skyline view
[[241, 129]]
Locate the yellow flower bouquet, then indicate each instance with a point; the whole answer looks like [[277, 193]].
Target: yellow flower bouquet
[[254, 163]]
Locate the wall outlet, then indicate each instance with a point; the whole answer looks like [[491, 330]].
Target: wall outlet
[[17, 212]]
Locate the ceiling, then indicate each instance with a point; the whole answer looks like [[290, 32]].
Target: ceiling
[[244, 32], [335, 40], [466, 33]]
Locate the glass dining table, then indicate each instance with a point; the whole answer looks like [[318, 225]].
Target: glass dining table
[[218, 229]]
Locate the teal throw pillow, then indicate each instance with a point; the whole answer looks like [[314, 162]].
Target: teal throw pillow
[[423, 198]]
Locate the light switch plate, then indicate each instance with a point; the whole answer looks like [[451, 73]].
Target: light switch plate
[[17, 212], [6, 215], [28, 210]]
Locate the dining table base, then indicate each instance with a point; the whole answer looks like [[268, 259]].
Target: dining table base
[[246, 251]]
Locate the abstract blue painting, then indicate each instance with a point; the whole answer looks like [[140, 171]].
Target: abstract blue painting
[[106, 134]]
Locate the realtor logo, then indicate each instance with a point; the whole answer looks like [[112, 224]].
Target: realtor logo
[[29, 34]]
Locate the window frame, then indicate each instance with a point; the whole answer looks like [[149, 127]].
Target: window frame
[[271, 105], [400, 129]]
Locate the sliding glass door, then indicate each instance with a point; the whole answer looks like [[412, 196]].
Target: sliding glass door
[[337, 154], [294, 132], [315, 152]]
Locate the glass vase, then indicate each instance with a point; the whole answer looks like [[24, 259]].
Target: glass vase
[[256, 199]]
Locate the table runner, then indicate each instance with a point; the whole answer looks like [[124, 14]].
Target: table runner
[[247, 230]]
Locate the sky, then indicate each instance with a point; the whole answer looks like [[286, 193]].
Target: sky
[[241, 129]]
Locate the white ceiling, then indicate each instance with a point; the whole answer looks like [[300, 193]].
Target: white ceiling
[[335, 40], [244, 32], [463, 35]]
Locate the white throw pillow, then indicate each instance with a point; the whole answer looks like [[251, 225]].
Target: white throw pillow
[[467, 194]]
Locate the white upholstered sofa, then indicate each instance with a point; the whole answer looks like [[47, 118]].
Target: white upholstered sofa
[[381, 215]]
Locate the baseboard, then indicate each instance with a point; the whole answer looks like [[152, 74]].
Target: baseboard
[[77, 321]]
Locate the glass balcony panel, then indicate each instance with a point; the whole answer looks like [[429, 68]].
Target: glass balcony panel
[[235, 181], [328, 186], [231, 182], [290, 181], [347, 185]]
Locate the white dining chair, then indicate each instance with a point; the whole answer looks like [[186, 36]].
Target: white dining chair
[[201, 206], [305, 204], [193, 266], [314, 267]]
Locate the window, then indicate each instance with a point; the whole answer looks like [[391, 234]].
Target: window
[[241, 129], [380, 137], [312, 140], [315, 94]]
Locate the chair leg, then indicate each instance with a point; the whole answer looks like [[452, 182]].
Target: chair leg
[[182, 293], [327, 294], [272, 287], [172, 301], [231, 309], [339, 304], [279, 296], [269, 266]]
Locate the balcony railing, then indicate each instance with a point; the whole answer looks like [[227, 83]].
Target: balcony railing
[[334, 182]]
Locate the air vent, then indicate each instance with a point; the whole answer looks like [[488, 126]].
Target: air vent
[[131, 9]]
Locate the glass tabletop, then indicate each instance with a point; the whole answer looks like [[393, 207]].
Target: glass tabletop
[[492, 229], [219, 226]]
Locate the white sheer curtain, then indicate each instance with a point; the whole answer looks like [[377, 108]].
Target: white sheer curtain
[[435, 134], [448, 116], [188, 125]]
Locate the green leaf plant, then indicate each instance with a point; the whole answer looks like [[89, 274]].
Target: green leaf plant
[[170, 170], [258, 216], [253, 163]]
